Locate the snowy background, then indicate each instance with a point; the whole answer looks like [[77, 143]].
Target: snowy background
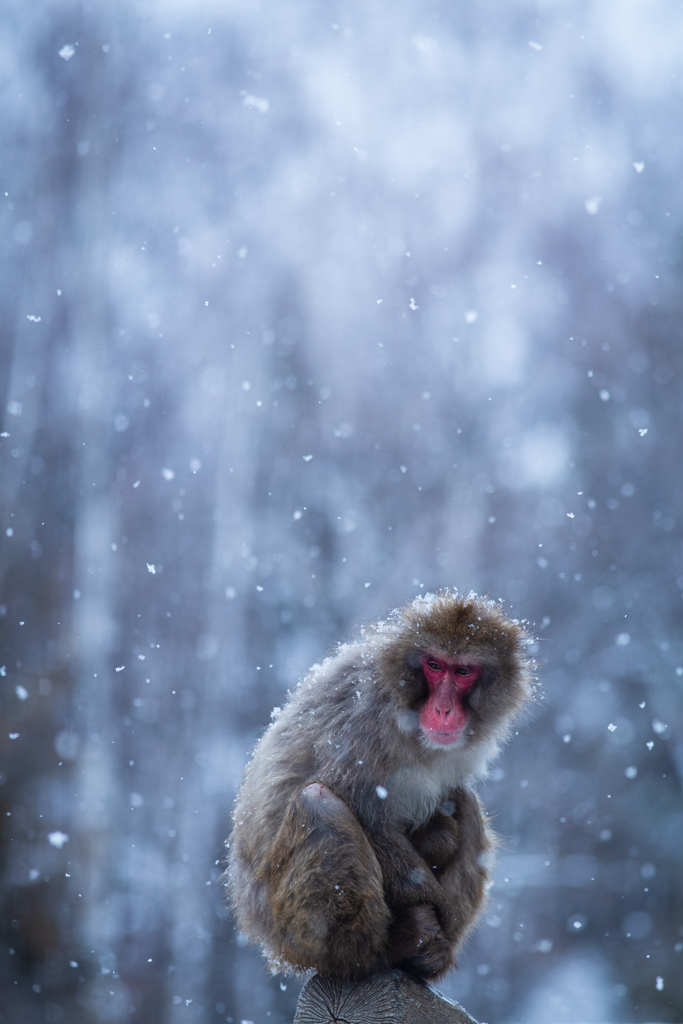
[[307, 307]]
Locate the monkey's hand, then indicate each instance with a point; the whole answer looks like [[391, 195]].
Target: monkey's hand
[[418, 944]]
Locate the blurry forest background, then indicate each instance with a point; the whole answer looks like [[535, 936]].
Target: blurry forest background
[[308, 307]]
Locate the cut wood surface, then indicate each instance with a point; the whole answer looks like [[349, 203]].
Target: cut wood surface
[[388, 998]]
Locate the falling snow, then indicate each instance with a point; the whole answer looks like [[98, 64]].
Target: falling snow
[[305, 318]]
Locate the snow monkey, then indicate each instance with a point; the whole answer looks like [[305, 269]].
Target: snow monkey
[[358, 843]]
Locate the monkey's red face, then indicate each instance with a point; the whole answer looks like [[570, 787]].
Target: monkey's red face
[[444, 715]]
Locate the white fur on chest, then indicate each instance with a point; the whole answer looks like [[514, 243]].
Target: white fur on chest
[[414, 795]]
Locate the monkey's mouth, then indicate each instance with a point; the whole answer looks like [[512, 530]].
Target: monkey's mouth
[[443, 739]]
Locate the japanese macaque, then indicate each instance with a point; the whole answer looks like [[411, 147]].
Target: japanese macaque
[[358, 842]]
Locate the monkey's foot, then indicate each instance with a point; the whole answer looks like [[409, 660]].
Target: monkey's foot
[[423, 949], [434, 958]]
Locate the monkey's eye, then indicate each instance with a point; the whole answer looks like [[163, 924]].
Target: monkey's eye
[[464, 670], [435, 666]]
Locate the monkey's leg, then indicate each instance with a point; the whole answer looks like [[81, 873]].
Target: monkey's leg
[[417, 941], [326, 892], [456, 844]]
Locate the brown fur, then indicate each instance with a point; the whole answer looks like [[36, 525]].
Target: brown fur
[[357, 846]]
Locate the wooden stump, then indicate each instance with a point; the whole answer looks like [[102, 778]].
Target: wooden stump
[[388, 998]]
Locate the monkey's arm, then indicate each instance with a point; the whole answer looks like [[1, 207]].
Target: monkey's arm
[[456, 846], [417, 941]]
